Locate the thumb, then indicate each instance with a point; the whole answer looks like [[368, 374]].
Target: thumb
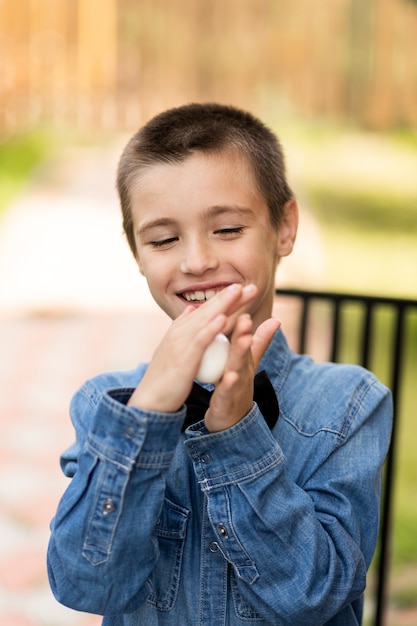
[[262, 338]]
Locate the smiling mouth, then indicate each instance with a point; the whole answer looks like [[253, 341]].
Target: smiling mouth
[[199, 296]]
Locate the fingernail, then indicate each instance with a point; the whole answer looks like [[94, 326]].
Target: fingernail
[[249, 289]]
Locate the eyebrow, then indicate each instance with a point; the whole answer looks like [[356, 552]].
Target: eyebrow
[[233, 209], [210, 213], [161, 222]]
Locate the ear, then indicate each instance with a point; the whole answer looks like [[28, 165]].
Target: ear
[[287, 230]]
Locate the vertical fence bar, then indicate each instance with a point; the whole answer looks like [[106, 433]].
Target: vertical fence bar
[[386, 520], [336, 322], [302, 336], [366, 335]]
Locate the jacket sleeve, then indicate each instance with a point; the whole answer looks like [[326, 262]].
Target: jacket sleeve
[[105, 520], [300, 546]]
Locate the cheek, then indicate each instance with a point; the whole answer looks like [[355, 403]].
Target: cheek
[[154, 278], [156, 271], [256, 263]]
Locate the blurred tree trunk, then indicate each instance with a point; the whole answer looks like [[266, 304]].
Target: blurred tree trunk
[[361, 18], [96, 57], [203, 34]]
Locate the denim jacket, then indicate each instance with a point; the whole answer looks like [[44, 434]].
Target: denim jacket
[[239, 527]]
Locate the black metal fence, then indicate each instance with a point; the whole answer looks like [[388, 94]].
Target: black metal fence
[[348, 328]]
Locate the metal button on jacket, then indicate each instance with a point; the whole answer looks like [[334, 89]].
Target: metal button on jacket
[[130, 432], [109, 506], [222, 530]]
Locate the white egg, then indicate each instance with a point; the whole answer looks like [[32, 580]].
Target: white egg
[[214, 360]]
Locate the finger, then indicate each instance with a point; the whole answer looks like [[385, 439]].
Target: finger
[[243, 326], [202, 324], [227, 301], [240, 342], [249, 293], [228, 382], [223, 301], [262, 338]]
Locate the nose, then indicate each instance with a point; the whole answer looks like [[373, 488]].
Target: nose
[[198, 257]]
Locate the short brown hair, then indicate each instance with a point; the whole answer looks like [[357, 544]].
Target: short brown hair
[[175, 134]]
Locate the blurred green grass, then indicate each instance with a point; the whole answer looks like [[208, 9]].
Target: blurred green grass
[[20, 156], [361, 188], [373, 210]]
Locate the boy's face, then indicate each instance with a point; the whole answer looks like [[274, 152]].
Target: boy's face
[[201, 225]]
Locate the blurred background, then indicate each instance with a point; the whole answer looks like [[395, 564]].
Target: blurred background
[[336, 80]]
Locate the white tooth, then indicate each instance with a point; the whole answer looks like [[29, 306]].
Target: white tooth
[[187, 297], [199, 295], [210, 294]]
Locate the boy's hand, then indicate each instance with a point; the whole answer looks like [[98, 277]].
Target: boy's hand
[[233, 396], [168, 379]]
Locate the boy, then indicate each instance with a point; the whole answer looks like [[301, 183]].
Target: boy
[[237, 511]]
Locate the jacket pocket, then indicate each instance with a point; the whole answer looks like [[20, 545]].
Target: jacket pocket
[[170, 533], [242, 608]]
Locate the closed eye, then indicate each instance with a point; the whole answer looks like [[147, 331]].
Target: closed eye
[[163, 242], [234, 230]]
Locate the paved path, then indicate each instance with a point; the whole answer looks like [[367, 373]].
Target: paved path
[[72, 304]]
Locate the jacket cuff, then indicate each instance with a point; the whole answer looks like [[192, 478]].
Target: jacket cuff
[[121, 433], [243, 451]]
